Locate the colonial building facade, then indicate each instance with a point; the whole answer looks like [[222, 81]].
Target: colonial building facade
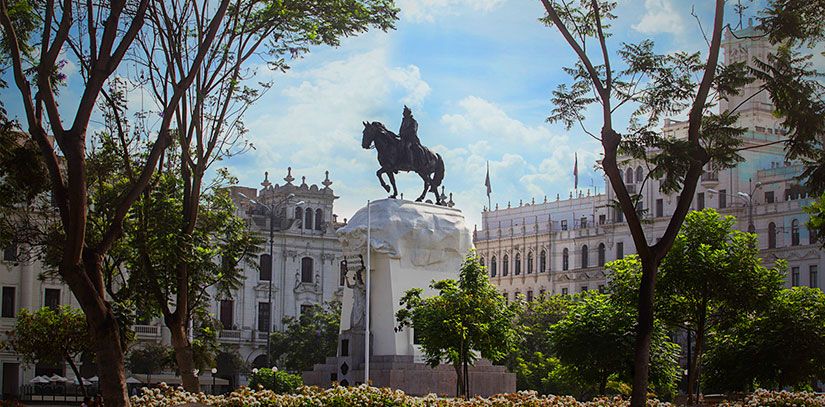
[[560, 247]]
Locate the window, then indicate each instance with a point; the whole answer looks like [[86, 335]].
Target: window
[[813, 276], [51, 298], [306, 270], [565, 259], [618, 215], [769, 197], [506, 297], [601, 254], [700, 201], [265, 266], [771, 235], [505, 266], [794, 276], [602, 219], [10, 252], [583, 222], [583, 289], [794, 232], [529, 295], [564, 224], [493, 267], [584, 257], [723, 198], [263, 317], [542, 261], [8, 302], [518, 264], [530, 263], [308, 219], [305, 308], [299, 213], [564, 291], [342, 278], [660, 208], [628, 176], [319, 219], [344, 347], [620, 250], [811, 235], [226, 313], [481, 261], [639, 174]]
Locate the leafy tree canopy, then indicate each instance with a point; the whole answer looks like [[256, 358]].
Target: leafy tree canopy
[[307, 339]]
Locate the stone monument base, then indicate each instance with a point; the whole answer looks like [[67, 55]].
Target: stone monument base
[[403, 373]]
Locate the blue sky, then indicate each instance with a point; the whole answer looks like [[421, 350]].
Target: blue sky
[[478, 75]]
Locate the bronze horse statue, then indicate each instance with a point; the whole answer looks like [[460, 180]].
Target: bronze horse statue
[[394, 156]]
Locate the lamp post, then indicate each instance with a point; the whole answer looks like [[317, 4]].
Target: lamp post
[[214, 370], [367, 300], [272, 211], [747, 197]]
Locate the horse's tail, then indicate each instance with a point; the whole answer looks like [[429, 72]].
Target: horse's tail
[[439, 171]]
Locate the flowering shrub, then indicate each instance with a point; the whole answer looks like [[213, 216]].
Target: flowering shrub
[[365, 396]]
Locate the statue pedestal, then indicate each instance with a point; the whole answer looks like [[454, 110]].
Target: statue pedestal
[[412, 244]]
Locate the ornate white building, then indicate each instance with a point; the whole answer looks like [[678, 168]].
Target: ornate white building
[[559, 247]]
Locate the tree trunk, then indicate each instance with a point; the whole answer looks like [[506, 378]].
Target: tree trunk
[[184, 356], [466, 378], [603, 385], [77, 374], [644, 334], [112, 380], [459, 380], [693, 377]]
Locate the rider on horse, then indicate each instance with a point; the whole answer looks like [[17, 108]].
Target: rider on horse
[[409, 137]]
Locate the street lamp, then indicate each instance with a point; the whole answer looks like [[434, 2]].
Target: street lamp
[[747, 197], [214, 370], [272, 211]]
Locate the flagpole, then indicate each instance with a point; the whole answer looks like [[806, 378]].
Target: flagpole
[[367, 299]]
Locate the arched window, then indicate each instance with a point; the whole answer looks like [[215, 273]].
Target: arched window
[[771, 235], [306, 270], [299, 213], [319, 219], [308, 219], [530, 263], [584, 257], [565, 259], [265, 268], [639, 174], [543, 261], [518, 264], [505, 266], [601, 254], [794, 232], [628, 176], [493, 267]]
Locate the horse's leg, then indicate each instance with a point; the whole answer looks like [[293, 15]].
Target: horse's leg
[[427, 181], [380, 178], [434, 190], [391, 176]]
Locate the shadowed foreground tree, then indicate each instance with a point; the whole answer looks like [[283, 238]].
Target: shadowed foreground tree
[[51, 336], [652, 86], [468, 319]]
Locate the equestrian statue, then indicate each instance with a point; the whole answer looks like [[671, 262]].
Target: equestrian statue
[[404, 152]]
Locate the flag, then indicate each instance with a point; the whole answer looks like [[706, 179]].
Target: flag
[[487, 181], [576, 172]]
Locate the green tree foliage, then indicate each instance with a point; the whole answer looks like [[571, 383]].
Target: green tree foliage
[[594, 343], [149, 358], [467, 319], [816, 221], [779, 346], [307, 339], [278, 381], [533, 361], [51, 336]]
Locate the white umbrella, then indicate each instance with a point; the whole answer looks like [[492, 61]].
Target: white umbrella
[[39, 380], [93, 379], [57, 378], [133, 380], [86, 382]]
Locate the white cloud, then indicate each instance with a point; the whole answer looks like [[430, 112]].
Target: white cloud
[[660, 17], [427, 10], [482, 116]]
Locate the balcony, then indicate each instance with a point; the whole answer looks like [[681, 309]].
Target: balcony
[[147, 331], [709, 178], [230, 335]]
